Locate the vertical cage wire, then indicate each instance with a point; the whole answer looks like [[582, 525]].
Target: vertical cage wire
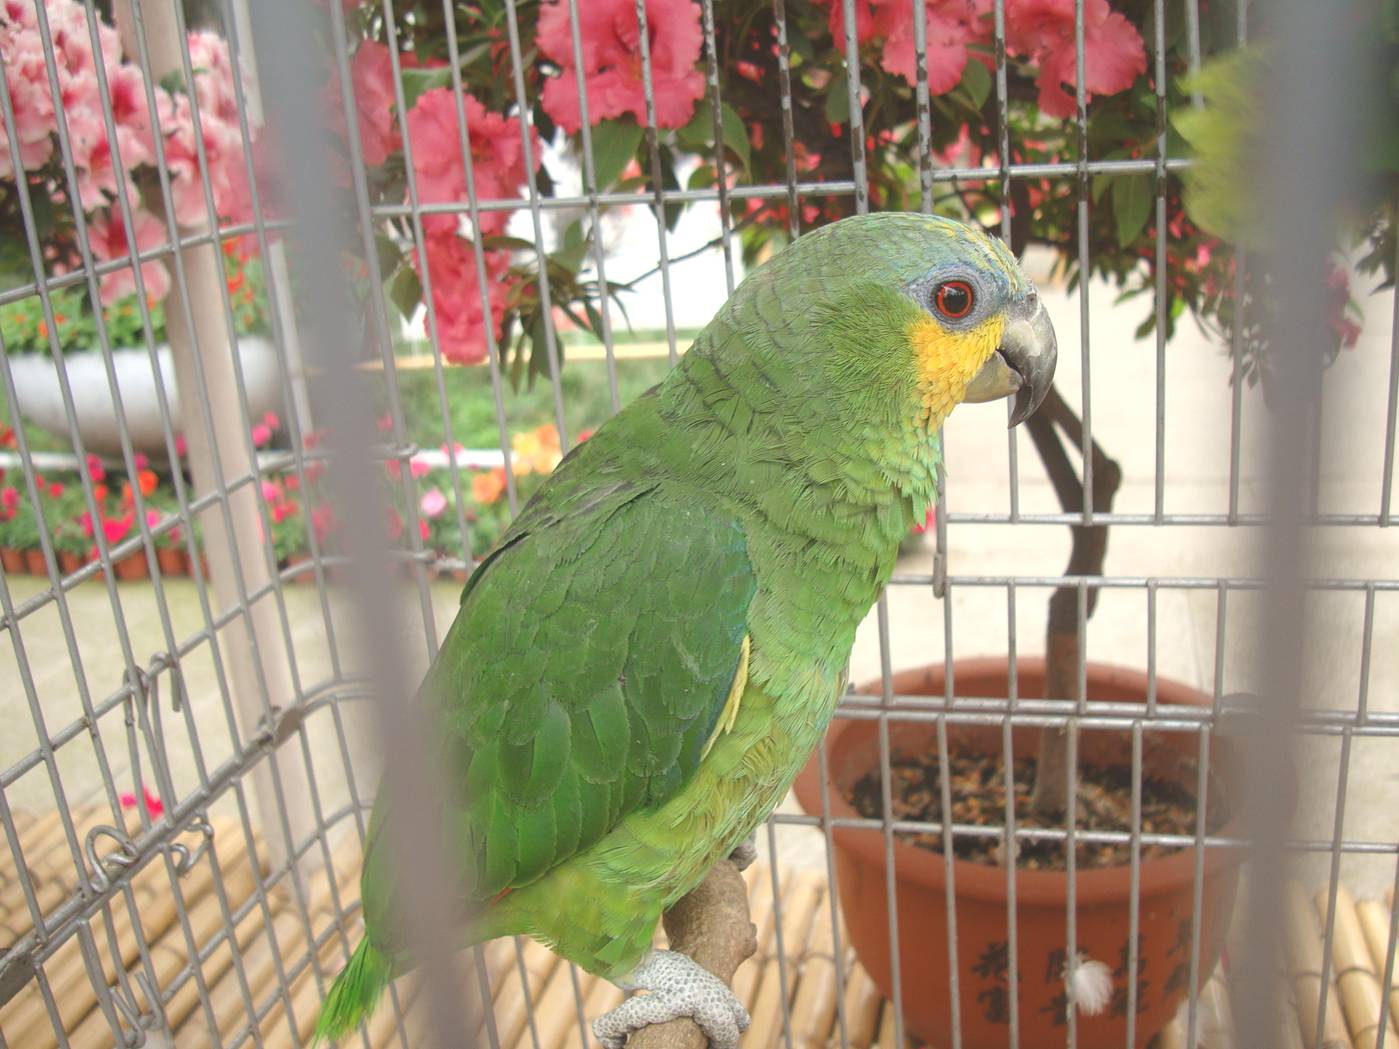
[[262, 804]]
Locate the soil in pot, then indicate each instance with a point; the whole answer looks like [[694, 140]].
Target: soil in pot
[[978, 790]]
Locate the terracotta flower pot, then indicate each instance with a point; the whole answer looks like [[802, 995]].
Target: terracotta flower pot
[[69, 562], [34, 562], [171, 560], [130, 567], [12, 560], [307, 574], [1103, 895]]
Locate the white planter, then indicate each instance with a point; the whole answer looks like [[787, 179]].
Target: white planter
[[41, 398]]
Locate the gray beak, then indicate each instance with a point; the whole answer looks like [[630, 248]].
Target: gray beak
[[1023, 364]]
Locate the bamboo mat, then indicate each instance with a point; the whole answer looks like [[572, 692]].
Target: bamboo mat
[[535, 997]]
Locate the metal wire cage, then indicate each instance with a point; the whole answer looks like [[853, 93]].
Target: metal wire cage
[[187, 770]]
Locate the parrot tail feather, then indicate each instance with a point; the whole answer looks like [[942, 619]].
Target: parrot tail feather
[[354, 993]]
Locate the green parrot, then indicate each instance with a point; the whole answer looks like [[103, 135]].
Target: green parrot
[[640, 668]]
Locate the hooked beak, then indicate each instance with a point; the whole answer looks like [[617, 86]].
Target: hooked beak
[[1023, 364]]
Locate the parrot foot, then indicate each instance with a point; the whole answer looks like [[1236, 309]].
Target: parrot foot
[[678, 986], [745, 853]]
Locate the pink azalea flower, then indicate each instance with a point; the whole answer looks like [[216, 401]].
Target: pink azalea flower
[[951, 25], [270, 492], [497, 156], [181, 448], [611, 53], [432, 503], [419, 467], [371, 76], [110, 241], [1043, 31], [261, 434], [456, 297]]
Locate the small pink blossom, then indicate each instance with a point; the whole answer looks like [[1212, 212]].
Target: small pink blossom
[[114, 529], [432, 503], [152, 804], [394, 522], [153, 518], [611, 54], [95, 469], [9, 499], [950, 26], [181, 448], [384, 423], [270, 491], [141, 461], [419, 467], [261, 434]]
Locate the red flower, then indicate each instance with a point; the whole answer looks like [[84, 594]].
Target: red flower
[[611, 53], [497, 157], [1043, 31], [95, 469]]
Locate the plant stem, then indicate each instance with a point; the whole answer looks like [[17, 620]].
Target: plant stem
[[1063, 641]]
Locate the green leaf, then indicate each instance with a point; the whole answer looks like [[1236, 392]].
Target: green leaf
[[507, 243], [837, 101], [614, 144], [1131, 206], [405, 290], [417, 82], [388, 252], [976, 79], [694, 136], [736, 136]]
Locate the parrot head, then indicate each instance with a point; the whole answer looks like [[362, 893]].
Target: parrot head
[[906, 315]]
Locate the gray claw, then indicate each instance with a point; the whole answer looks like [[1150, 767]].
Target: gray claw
[[676, 986], [745, 853]]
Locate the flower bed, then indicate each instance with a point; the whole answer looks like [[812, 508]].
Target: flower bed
[[301, 521]]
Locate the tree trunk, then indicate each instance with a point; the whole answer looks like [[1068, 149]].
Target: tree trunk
[[1090, 543]]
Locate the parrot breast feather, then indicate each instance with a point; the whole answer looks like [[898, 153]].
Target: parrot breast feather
[[587, 668]]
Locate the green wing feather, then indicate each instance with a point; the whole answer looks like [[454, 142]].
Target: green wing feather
[[588, 664]]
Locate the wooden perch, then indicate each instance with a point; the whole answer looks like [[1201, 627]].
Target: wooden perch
[[711, 925]]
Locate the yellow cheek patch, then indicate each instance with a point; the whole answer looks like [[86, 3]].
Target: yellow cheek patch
[[948, 360]]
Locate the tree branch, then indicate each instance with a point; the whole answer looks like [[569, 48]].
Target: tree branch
[[1087, 556], [711, 926]]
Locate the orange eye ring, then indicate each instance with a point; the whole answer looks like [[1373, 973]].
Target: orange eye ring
[[954, 299]]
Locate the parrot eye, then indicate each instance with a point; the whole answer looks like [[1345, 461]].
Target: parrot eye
[[954, 299]]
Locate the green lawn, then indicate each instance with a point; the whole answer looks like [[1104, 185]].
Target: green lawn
[[471, 407]]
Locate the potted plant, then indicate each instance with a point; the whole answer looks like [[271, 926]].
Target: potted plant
[[21, 535], [1103, 881], [103, 173], [169, 544], [12, 505], [70, 540]]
